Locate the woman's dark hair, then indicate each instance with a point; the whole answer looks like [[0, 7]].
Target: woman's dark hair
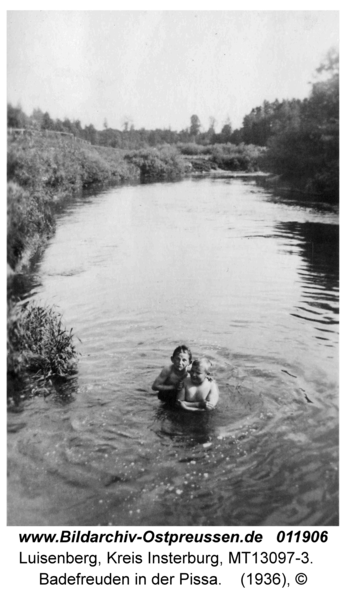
[[182, 348]]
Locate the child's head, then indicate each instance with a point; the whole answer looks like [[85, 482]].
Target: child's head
[[181, 358], [200, 368]]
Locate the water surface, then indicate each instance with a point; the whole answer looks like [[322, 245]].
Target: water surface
[[244, 277]]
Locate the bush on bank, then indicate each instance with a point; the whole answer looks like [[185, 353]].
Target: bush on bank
[[244, 157], [158, 163], [29, 219], [38, 342], [228, 157], [120, 169], [192, 149]]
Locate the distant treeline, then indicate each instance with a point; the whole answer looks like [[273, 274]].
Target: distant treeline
[[129, 138]]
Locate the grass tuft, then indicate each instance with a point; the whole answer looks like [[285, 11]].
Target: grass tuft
[[38, 342]]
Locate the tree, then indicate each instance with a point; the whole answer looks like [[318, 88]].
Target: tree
[[77, 128], [47, 122], [91, 134], [226, 132], [127, 123], [16, 118], [212, 124], [195, 126], [68, 127], [37, 118], [237, 137], [305, 144]]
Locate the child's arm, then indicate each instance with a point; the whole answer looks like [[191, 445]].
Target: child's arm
[[213, 396], [181, 400], [191, 405], [195, 406], [159, 384]]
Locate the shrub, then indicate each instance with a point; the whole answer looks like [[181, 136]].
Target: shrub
[[37, 341], [28, 215], [94, 168], [38, 163], [23, 163], [192, 149], [158, 163], [120, 169], [245, 157], [202, 164]]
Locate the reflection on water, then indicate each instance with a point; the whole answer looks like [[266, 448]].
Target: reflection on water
[[318, 245], [244, 278], [319, 248]]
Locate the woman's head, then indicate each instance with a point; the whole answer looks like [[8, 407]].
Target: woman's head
[[181, 358]]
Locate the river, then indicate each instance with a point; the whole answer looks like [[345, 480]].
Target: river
[[243, 277]]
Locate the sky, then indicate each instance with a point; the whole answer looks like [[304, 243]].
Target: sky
[[157, 68]]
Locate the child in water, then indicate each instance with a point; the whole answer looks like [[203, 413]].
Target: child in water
[[171, 378], [199, 391]]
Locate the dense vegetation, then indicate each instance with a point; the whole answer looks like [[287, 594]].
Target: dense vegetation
[[38, 342], [302, 136]]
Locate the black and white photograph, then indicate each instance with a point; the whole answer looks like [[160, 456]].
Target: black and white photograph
[[172, 268]]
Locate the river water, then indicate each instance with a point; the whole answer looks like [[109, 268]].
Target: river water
[[242, 276]]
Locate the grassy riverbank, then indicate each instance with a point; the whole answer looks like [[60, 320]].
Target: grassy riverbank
[[43, 170]]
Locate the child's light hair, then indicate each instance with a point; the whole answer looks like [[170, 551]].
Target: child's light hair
[[204, 363]]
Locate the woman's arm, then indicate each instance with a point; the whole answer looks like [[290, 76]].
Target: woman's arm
[[159, 384], [181, 395]]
